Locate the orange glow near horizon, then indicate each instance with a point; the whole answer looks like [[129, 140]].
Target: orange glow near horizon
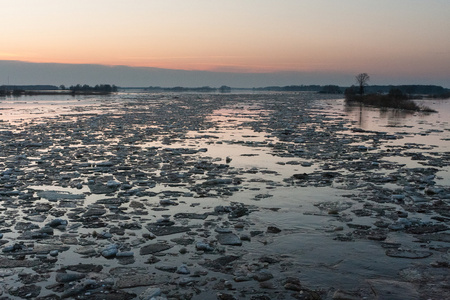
[[236, 36], [169, 63], [262, 64]]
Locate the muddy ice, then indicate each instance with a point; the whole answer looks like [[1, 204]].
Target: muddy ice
[[253, 196]]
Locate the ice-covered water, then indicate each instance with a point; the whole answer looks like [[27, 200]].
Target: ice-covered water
[[343, 184]]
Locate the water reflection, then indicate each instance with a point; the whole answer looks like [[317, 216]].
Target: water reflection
[[365, 116]]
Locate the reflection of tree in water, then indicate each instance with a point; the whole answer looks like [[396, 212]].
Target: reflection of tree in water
[[358, 113], [395, 117], [363, 115]]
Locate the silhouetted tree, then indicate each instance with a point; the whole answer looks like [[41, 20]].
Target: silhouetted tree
[[362, 80]]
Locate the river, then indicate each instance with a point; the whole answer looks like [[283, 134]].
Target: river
[[276, 195]]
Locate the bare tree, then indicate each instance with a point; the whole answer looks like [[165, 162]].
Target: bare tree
[[362, 80]]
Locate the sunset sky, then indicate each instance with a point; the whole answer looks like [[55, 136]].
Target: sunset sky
[[385, 38]]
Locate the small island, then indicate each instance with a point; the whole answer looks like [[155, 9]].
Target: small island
[[395, 98]]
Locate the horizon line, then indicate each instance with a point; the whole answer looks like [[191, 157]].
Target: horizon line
[[189, 77]]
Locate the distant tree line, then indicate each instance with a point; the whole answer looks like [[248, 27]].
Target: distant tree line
[[99, 88], [330, 89], [225, 89], [203, 89], [180, 89], [28, 87], [291, 88], [15, 92], [326, 89], [18, 90], [409, 89], [362, 87]]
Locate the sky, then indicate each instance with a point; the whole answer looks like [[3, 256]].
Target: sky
[[401, 40]]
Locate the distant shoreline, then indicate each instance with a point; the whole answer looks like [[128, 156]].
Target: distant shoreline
[[51, 93], [413, 91]]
